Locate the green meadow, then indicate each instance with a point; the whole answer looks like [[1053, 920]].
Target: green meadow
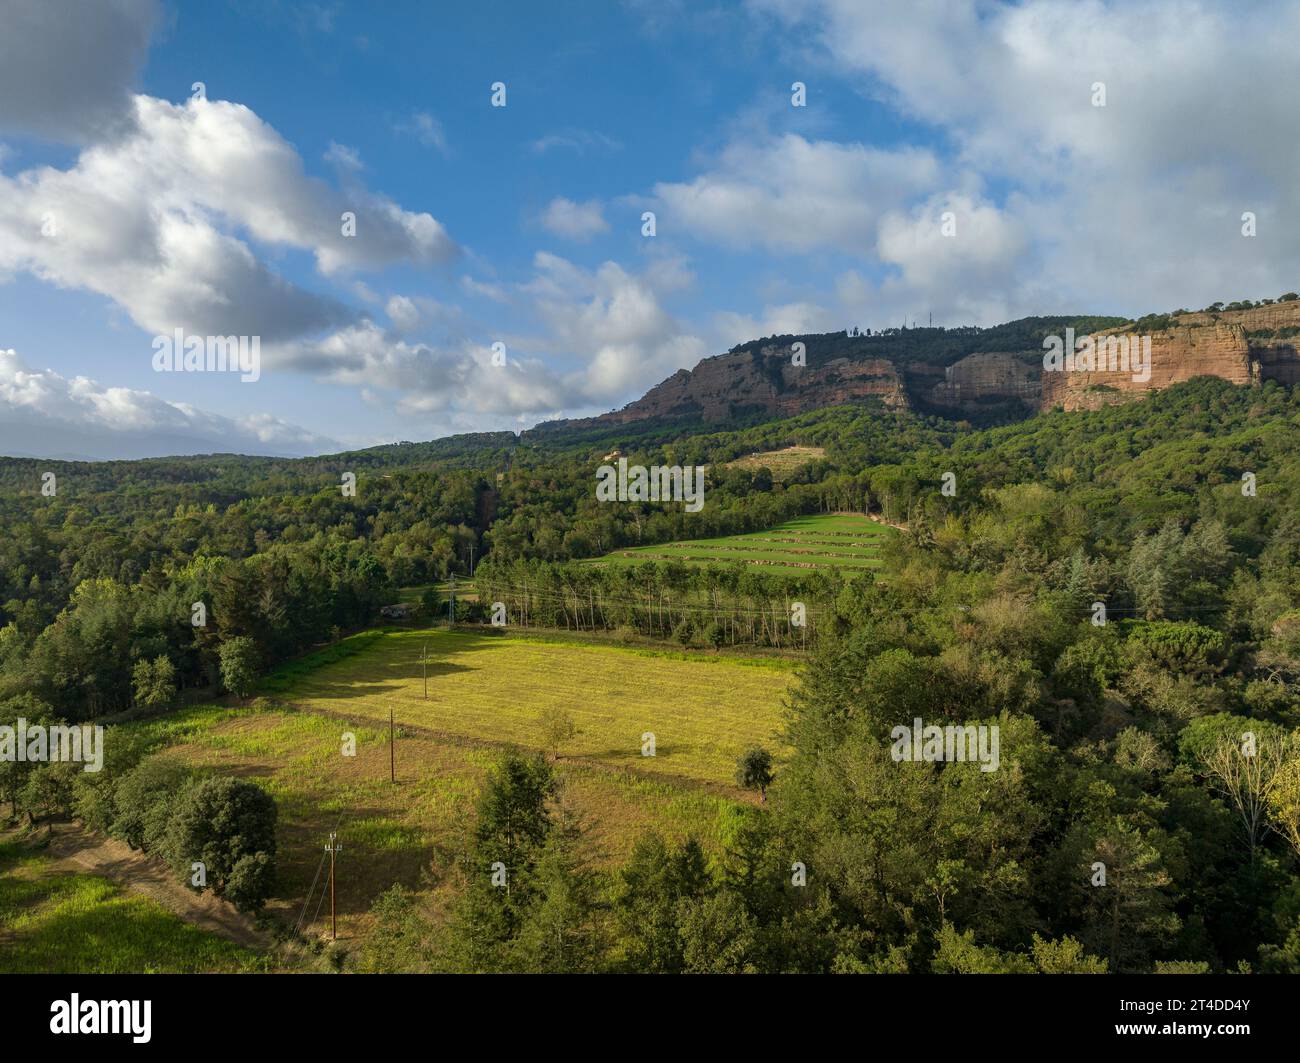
[[826, 541], [485, 693]]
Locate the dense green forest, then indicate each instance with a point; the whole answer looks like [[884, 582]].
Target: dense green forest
[[1118, 591], [933, 345]]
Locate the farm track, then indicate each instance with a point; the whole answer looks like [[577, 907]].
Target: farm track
[[72, 848]]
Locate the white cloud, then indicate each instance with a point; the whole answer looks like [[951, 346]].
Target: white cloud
[[344, 157], [615, 322], [60, 415], [787, 319], [578, 140], [409, 314], [958, 257], [574, 221], [455, 376], [789, 193], [150, 221], [425, 129], [481, 288], [1131, 207]]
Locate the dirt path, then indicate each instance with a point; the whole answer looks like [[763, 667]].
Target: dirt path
[[73, 849]]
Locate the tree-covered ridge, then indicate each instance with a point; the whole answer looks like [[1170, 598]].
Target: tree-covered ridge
[[934, 345]]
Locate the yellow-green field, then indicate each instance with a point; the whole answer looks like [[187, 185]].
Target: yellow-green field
[[703, 710], [827, 541], [781, 462], [54, 921], [485, 693]]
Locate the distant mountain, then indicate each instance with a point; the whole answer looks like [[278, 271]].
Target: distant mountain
[[971, 372]]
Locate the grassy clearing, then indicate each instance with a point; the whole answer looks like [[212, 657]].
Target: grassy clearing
[[54, 921], [842, 541], [702, 710], [484, 692], [782, 462]]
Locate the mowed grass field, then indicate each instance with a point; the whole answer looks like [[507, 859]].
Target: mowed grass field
[[826, 541], [485, 693], [54, 921]]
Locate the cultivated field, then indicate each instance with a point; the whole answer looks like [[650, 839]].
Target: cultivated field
[[485, 692], [832, 541]]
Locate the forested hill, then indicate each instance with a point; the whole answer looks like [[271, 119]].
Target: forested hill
[[1178, 514]]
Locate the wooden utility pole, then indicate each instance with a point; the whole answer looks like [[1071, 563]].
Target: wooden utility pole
[[451, 605], [332, 848], [424, 664], [392, 753]]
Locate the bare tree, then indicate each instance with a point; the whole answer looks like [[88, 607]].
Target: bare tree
[[1246, 773]]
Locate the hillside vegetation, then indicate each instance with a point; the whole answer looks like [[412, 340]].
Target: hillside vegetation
[[1116, 591]]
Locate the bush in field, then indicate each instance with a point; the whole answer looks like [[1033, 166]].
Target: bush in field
[[229, 825], [754, 770], [558, 728]]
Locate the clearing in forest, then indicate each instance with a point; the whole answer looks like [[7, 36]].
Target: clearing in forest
[[827, 541], [486, 692]]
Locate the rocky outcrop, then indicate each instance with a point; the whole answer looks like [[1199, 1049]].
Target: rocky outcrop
[[1243, 346], [980, 379], [767, 381], [1177, 353]]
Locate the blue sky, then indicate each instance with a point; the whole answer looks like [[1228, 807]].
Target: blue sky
[[522, 224]]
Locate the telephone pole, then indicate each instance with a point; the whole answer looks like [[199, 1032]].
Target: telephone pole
[[392, 754], [332, 848], [424, 664], [451, 604]]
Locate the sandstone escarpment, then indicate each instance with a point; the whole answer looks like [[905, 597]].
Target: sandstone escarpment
[[988, 377], [730, 384], [927, 370], [1177, 353]]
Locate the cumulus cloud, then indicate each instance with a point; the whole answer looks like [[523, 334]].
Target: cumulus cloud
[[149, 221], [605, 337], [574, 221], [67, 71], [44, 414], [615, 321], [787, 319], [790, 193], [956, 256], [458, 375], [409, 314], [1131, 206]]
